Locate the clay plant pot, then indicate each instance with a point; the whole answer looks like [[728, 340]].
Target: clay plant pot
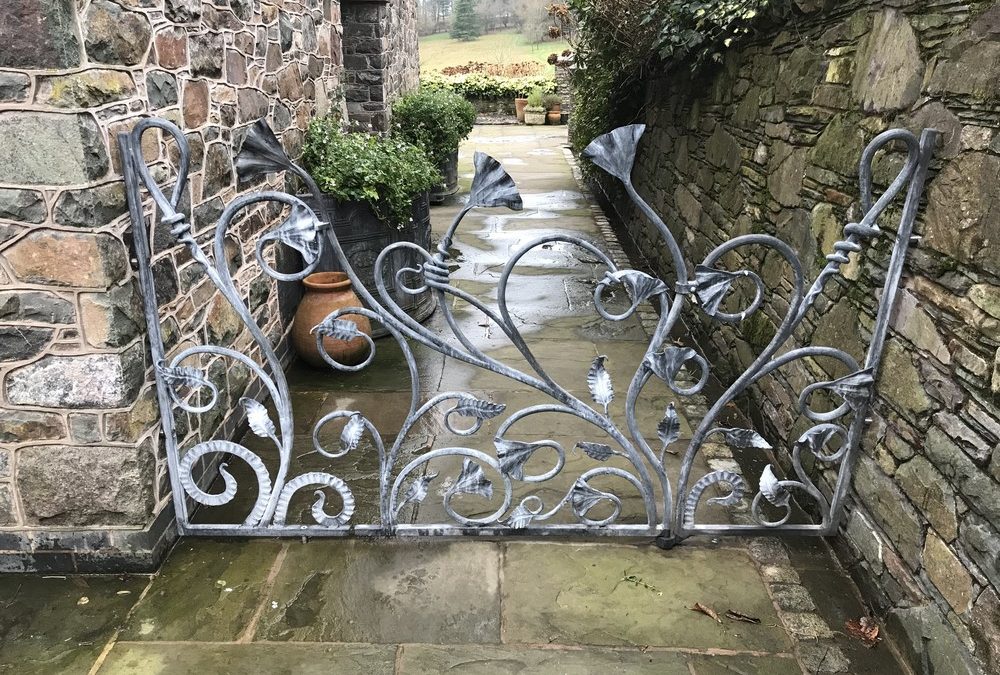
[[326, 292], [553, 117], [519, 104]]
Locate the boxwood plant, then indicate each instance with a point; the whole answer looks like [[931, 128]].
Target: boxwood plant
[[385, 171], [435, 120]]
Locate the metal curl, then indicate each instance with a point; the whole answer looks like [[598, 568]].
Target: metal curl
[[317, 478], [228, 448], [737, 485]]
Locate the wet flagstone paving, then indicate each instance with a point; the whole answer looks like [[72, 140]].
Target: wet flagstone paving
[[468, 606]]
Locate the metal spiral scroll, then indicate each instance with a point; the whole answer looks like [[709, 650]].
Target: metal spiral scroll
[[670, 509]]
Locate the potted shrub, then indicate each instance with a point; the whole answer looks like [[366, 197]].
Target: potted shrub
[[436, 121], [375, 186], [553, 107], [534, 112]]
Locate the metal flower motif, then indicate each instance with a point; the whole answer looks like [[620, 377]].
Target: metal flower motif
[[816, 438], [583, 497], [668, 363], [615, 151], [744, 438], [855, 388], [261, 153], [298, 231], [513, 455], [640, 285], [772, 489], [472, 481], [602, 452], [492, 185], [599, 382], [669, 428], [338, 329], [417, 491], [258, 419], [351, 434], [710, 286]]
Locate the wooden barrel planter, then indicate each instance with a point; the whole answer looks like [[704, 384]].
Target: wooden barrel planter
[[363, 235], [449, 182]]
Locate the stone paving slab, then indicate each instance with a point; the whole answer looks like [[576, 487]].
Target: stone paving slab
[[209, 591], [492, 660], [358, 591], [178, 658], [576, 594]]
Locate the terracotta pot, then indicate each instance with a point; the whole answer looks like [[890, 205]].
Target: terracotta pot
[[326, 292], [519, 104], [553, 117]]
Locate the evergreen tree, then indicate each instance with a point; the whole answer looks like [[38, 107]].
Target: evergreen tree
[[466, 25]]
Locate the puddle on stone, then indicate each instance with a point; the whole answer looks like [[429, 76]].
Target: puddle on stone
[[557, 200]]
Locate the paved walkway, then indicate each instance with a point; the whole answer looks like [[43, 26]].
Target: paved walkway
[[468, 606]]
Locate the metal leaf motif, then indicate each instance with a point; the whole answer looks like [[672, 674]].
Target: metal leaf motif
[[744, 438], [492, 186], [351, 434], [669, 428], [472, 481], [470, 406], [338, 329], [855, 388], [261, 153], [711, 286], [640, 285], [599, 451], [772, 489], [615, 151], [522, 515], [417, 491], [513, 455], [668, 363], [599, 382], [258, 419], [583, 497], [183, 376], [816, 438], [299, 231]]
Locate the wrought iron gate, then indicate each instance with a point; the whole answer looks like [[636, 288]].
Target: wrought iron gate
[[671, 508]]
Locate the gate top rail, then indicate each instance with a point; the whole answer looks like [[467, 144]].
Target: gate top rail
[[670, 506]]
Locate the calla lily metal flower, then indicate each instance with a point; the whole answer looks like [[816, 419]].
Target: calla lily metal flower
[[261, 153], [615, 151], [492, 185]]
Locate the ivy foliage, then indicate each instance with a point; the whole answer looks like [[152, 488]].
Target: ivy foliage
[[619, 43], [434, 119], [385, 171]]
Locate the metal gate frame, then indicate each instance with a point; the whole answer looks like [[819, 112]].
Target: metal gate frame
[[671, 518]]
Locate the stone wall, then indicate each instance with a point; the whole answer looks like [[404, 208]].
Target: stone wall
[[381, 57], [83, 478], [769, 142]]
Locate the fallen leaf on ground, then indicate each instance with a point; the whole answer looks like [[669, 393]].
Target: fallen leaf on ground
[[83, 601], [864, 629], [707, 611], [739, 616]]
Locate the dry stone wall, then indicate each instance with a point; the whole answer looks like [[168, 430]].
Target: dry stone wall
[[83, 478], [769, 141]]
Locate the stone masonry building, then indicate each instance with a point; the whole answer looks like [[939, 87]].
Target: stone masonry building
[[769, 142], [83, 478]]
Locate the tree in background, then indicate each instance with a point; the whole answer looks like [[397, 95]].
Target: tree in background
[[466, 25]]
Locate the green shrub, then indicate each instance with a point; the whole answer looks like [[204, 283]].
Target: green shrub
[[550, 101], [386, 172], [434, 119], [480, 86], [535, 98]]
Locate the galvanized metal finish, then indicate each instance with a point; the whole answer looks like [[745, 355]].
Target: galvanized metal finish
[[670, 504]]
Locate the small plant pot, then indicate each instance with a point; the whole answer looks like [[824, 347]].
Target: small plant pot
[[553, 117], [326, 292], [519, 105], [534, 116]]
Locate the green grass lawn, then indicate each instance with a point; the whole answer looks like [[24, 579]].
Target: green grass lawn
[[440, 51]]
